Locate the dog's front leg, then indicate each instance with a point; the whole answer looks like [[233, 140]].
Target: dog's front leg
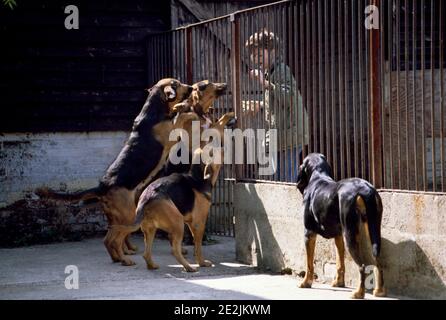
[[310, 244]]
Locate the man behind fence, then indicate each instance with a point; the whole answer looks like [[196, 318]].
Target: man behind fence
[[282, 103]]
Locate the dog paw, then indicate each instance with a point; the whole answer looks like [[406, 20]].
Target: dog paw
[[129, 252], [127, 262], [183, 251], [152, 266], [381, 292], [338, 283], [190, 269], [358, 295], [305, 284], [206, 263]]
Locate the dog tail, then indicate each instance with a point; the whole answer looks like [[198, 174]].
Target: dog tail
[[131, 227], [89, 194], [374, 211], [364, 207]]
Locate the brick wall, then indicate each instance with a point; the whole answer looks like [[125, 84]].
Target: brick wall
[[63, 161]]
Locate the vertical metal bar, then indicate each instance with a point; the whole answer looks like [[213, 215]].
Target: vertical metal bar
[[346, 93], [432, 85], [398, 54], [189, 56], [333, 89], [390, 35], [355, 103], [293, 98], [441, 66], [376, 163], [285, 104], [313, 70], [361, 105], [295, 53], [414, 69], [321, 82], [406, 68], [327, 83], [257, 99], [302, 75], [235, 66], [341, 88], [423, 95], [244, 83]]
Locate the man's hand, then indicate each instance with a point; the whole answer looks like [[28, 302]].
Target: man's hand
[[257, 75]]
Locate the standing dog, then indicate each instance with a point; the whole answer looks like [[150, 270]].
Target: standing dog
[[180, 198], [349, 210], [142, 156]]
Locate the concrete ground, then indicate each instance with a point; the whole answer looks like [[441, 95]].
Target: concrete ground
[[37, 272]]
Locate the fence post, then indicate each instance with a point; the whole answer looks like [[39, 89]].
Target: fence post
[[375, 104], [235, 66], [189, 58]]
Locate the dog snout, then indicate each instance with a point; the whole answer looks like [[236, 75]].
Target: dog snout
[[221, 88]]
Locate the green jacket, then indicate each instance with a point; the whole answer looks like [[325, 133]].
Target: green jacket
[[283, 97]]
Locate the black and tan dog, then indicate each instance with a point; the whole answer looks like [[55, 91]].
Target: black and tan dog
[[141, 158], [180, 198], [349, 210], [200, 101]]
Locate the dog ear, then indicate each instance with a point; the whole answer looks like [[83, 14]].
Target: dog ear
[[302, 178], [170, 93]]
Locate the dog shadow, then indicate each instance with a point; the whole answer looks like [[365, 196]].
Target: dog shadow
[[408, 271], [257, 243]]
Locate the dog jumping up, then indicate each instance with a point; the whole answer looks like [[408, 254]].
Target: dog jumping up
[[180, 198], [142, 156], [349, 210]]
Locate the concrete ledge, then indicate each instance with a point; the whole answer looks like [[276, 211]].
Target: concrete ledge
[[269, 234]]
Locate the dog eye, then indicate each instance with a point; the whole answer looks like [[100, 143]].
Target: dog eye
[[202, 86]]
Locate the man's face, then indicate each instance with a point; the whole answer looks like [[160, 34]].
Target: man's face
[[262, 57]]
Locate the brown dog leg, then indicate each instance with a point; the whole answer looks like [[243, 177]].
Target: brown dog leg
[[380, 290], [197, 230], [149, 235], [183, 249], [310, 244], [360, 291], [340, 266], [108, 242], [177, 238], [130, 246]]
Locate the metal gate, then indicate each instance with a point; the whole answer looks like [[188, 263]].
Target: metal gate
[[370, 97]]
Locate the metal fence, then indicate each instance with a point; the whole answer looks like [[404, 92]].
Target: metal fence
[[372, 100]]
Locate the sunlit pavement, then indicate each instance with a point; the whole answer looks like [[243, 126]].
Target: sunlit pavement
[[38, 272]]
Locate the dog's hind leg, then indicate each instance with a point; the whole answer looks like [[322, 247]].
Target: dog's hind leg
[[131, 248], [340, 266], [310, 244], [108, 243], [379, 290], [117, 244], [360, 291], [149, 231]]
